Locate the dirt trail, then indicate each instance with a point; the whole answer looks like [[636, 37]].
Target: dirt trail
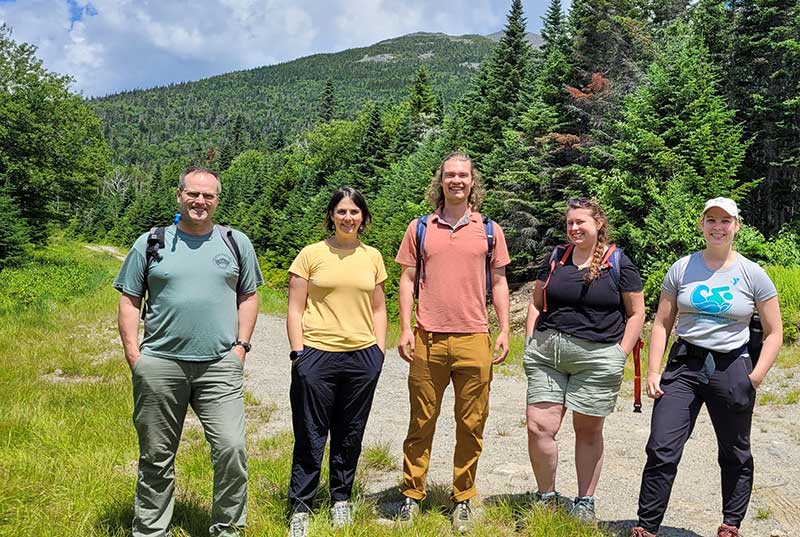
[[504, 467]]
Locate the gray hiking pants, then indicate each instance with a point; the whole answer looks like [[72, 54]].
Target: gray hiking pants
[[162, 391]]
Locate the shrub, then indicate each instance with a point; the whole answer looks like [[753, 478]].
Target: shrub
[[787, 281]]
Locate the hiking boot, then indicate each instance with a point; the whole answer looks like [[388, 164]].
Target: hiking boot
[[583, 509], [550, 500], [298, 525], [462, 516], [341, 514], [639, 531], [727, 531], [409, 511]]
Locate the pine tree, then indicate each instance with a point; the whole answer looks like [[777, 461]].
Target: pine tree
[[677, 145], [494, 98], [327, 107], [763, 84]]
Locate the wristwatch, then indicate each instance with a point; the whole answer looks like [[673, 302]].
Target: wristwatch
[[294, 355], [245, 345]]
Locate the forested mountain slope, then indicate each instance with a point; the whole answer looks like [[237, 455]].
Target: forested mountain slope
[[272, 103]]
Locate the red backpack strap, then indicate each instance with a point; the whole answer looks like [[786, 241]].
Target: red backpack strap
[[637, 376], [567, 251]]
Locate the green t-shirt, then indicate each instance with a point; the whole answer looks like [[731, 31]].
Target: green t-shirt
[[191, 313]]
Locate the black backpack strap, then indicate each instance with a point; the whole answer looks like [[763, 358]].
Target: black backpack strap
[[227, 237], [422, 226], [489, 225], [155, 242]]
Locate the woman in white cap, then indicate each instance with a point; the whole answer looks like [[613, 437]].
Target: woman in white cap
[[715, 291]]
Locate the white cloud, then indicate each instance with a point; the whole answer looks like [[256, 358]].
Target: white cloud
[[141, 43]]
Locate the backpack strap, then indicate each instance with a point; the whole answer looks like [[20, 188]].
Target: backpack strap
[[227, 237], [422, 226], [155, 242], [489, 226], [558, 257], [611, 262]]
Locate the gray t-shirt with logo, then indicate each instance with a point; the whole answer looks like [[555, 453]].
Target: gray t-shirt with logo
[[715, 306], [192, 312]]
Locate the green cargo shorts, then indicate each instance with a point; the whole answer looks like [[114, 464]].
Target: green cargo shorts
[[585, 376]]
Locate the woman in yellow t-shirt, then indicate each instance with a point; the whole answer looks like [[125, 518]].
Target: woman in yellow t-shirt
[[337, 330]]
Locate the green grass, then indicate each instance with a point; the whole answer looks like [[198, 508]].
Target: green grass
[[68, 449]]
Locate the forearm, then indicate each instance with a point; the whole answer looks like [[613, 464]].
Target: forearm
[[501, 304], [633, 330], [128, 322], [405, 300], [247, 316], [380, 323], [658, 343], [530, 320], [294, 329], [769, 353]]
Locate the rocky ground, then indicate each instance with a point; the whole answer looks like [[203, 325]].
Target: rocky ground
[[504, 467]]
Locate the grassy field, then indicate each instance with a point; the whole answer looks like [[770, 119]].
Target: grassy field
[[68, 448]]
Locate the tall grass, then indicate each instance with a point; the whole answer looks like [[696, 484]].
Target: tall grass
[[787, 282]]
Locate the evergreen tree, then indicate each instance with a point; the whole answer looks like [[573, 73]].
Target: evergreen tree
[[327, 106], [493, 101], [677, 145], [763, 84], [371, 153], [52, 152], [15, 237]]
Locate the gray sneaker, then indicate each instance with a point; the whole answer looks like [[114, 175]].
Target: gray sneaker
[[462, 516], [550, 500], [341, 514], [408, 511], [583, 509], [298, 525]]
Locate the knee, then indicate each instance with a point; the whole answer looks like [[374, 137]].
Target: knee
[[542, 430], [232, 448], [589, 432]]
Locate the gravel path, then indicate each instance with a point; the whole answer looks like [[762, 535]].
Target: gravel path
[[504, 467]]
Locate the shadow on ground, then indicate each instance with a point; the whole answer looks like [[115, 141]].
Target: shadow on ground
[[190, 516]]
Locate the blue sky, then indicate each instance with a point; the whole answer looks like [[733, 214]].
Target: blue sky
[[115, 45]]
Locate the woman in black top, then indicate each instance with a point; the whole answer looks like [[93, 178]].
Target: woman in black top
[[585, 317]]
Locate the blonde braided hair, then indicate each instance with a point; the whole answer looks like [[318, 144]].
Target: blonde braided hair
[[603, 233]]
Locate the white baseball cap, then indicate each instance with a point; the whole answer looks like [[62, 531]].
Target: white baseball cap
[[726, 204]]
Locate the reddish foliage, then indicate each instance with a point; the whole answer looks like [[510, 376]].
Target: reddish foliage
[[211, 156], [599, 84]]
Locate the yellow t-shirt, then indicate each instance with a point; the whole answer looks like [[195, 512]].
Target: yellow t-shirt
[[338, 314]]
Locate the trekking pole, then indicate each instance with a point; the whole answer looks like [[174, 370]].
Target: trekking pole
[[637, 376]]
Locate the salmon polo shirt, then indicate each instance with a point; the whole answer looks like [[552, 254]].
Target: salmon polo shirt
[[452, 298]]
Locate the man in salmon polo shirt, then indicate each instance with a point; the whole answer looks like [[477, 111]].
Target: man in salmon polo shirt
[[451, 341]]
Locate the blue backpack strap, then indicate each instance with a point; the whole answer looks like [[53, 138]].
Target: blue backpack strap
[[489, 226], [422, 226], [227, 237]]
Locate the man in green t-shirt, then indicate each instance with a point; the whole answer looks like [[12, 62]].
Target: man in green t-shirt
[[200, 313]]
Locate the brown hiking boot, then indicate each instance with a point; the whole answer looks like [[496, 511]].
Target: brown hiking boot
[[728, 531], [639, 531]]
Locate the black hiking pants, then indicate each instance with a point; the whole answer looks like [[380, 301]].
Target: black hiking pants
[[330, 392], [729, 395]]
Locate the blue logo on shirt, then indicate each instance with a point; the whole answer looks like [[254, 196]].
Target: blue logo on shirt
[[715, 301]]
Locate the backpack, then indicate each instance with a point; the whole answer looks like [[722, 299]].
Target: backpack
[[156, 241], [610, 262], [422, 227]]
